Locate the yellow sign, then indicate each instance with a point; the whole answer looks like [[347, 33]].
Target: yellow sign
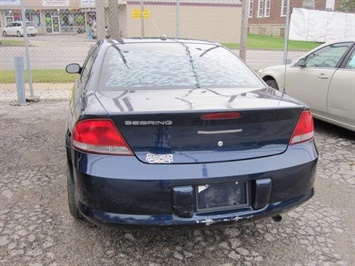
[[146, 13], [137, 14]]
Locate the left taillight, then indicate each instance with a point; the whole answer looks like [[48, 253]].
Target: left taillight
[[304, 130], [99, 136]]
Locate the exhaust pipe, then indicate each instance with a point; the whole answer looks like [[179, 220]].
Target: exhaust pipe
[[277, 218]]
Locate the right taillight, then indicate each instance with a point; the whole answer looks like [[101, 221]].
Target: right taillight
[[99, 136], [304, 130]]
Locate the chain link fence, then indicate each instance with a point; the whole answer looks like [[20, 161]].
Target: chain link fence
[[60, 32]]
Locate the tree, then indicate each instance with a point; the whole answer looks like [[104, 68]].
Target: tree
[[347, 6]]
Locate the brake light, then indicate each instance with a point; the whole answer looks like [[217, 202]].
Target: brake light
[[99, 136], [304, 130], [221, 116]]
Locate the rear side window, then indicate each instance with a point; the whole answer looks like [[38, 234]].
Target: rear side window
[[351, 62], [174, 65]]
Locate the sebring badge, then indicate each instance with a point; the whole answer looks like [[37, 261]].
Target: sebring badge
[[159, 158]]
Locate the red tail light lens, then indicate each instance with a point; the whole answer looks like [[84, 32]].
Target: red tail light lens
[[99, 136], [221, 116], [304, 130]]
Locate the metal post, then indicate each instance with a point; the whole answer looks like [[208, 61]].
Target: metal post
[[142, 18], [20, 80], [28, 60], [244, 30], [285, 61], [178, 19]]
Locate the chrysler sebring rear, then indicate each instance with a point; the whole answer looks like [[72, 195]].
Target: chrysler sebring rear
[[181, 133]]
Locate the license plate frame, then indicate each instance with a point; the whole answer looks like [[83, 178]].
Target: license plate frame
[[222, 196]]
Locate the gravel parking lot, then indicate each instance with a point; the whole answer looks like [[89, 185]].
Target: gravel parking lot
[[37, 229]]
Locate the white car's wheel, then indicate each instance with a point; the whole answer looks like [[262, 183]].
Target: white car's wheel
[[272, 83], [4, 34]]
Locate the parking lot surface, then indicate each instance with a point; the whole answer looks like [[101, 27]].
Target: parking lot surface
[[37, 229]]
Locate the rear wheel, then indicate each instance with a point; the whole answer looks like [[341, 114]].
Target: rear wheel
[[272, 83], [71, 195], [4, 34], [19, 34]]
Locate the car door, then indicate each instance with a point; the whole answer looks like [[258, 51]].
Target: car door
[[10, 28], [341, 95], [310, 81]]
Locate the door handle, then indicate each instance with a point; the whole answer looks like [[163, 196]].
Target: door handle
[[322, 76]]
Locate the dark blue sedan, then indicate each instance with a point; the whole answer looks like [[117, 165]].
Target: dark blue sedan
[[171, 132]]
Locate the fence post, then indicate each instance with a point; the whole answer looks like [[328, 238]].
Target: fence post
[[28, 60], [20, 80], [244, 30], [142, 18], [285, 61], [178, 19]]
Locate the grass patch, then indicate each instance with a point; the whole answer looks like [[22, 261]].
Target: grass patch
[[12, 43], [39, 76], [263, 42]]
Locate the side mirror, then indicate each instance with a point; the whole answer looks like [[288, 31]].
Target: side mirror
[[301, 62], [73, 69]]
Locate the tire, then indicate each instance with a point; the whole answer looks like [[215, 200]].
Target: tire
[[4, 34], [71, 196], [272, 83], [19, 34]]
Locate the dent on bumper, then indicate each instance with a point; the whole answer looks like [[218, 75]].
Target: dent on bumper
[[198, 219]]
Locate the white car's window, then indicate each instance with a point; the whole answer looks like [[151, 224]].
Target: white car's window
[[174, 65], [327, 56], [351, 62]]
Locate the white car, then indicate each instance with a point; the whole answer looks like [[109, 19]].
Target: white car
[[16, 29], [324, 78]]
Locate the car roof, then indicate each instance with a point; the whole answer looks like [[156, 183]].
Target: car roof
[[336, 41]]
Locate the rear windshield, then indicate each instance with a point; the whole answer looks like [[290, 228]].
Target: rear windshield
[[174, 65]]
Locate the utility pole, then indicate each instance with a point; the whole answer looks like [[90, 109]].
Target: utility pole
[[100, 19]]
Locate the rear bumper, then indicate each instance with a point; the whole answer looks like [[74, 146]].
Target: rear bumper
[[123, 191], [197, 220]]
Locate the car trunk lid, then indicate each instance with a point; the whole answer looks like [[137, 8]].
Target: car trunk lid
[[201, 126]]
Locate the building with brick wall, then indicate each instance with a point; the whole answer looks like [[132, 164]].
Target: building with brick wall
[[268, 17]]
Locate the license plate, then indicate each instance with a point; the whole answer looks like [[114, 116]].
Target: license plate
[[233, 195]]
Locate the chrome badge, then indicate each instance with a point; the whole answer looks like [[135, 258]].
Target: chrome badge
[[159, 158]]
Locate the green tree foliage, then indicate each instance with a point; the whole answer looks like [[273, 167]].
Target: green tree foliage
[[347, 6]]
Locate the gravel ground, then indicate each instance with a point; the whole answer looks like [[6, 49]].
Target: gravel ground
[[37, 229]]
